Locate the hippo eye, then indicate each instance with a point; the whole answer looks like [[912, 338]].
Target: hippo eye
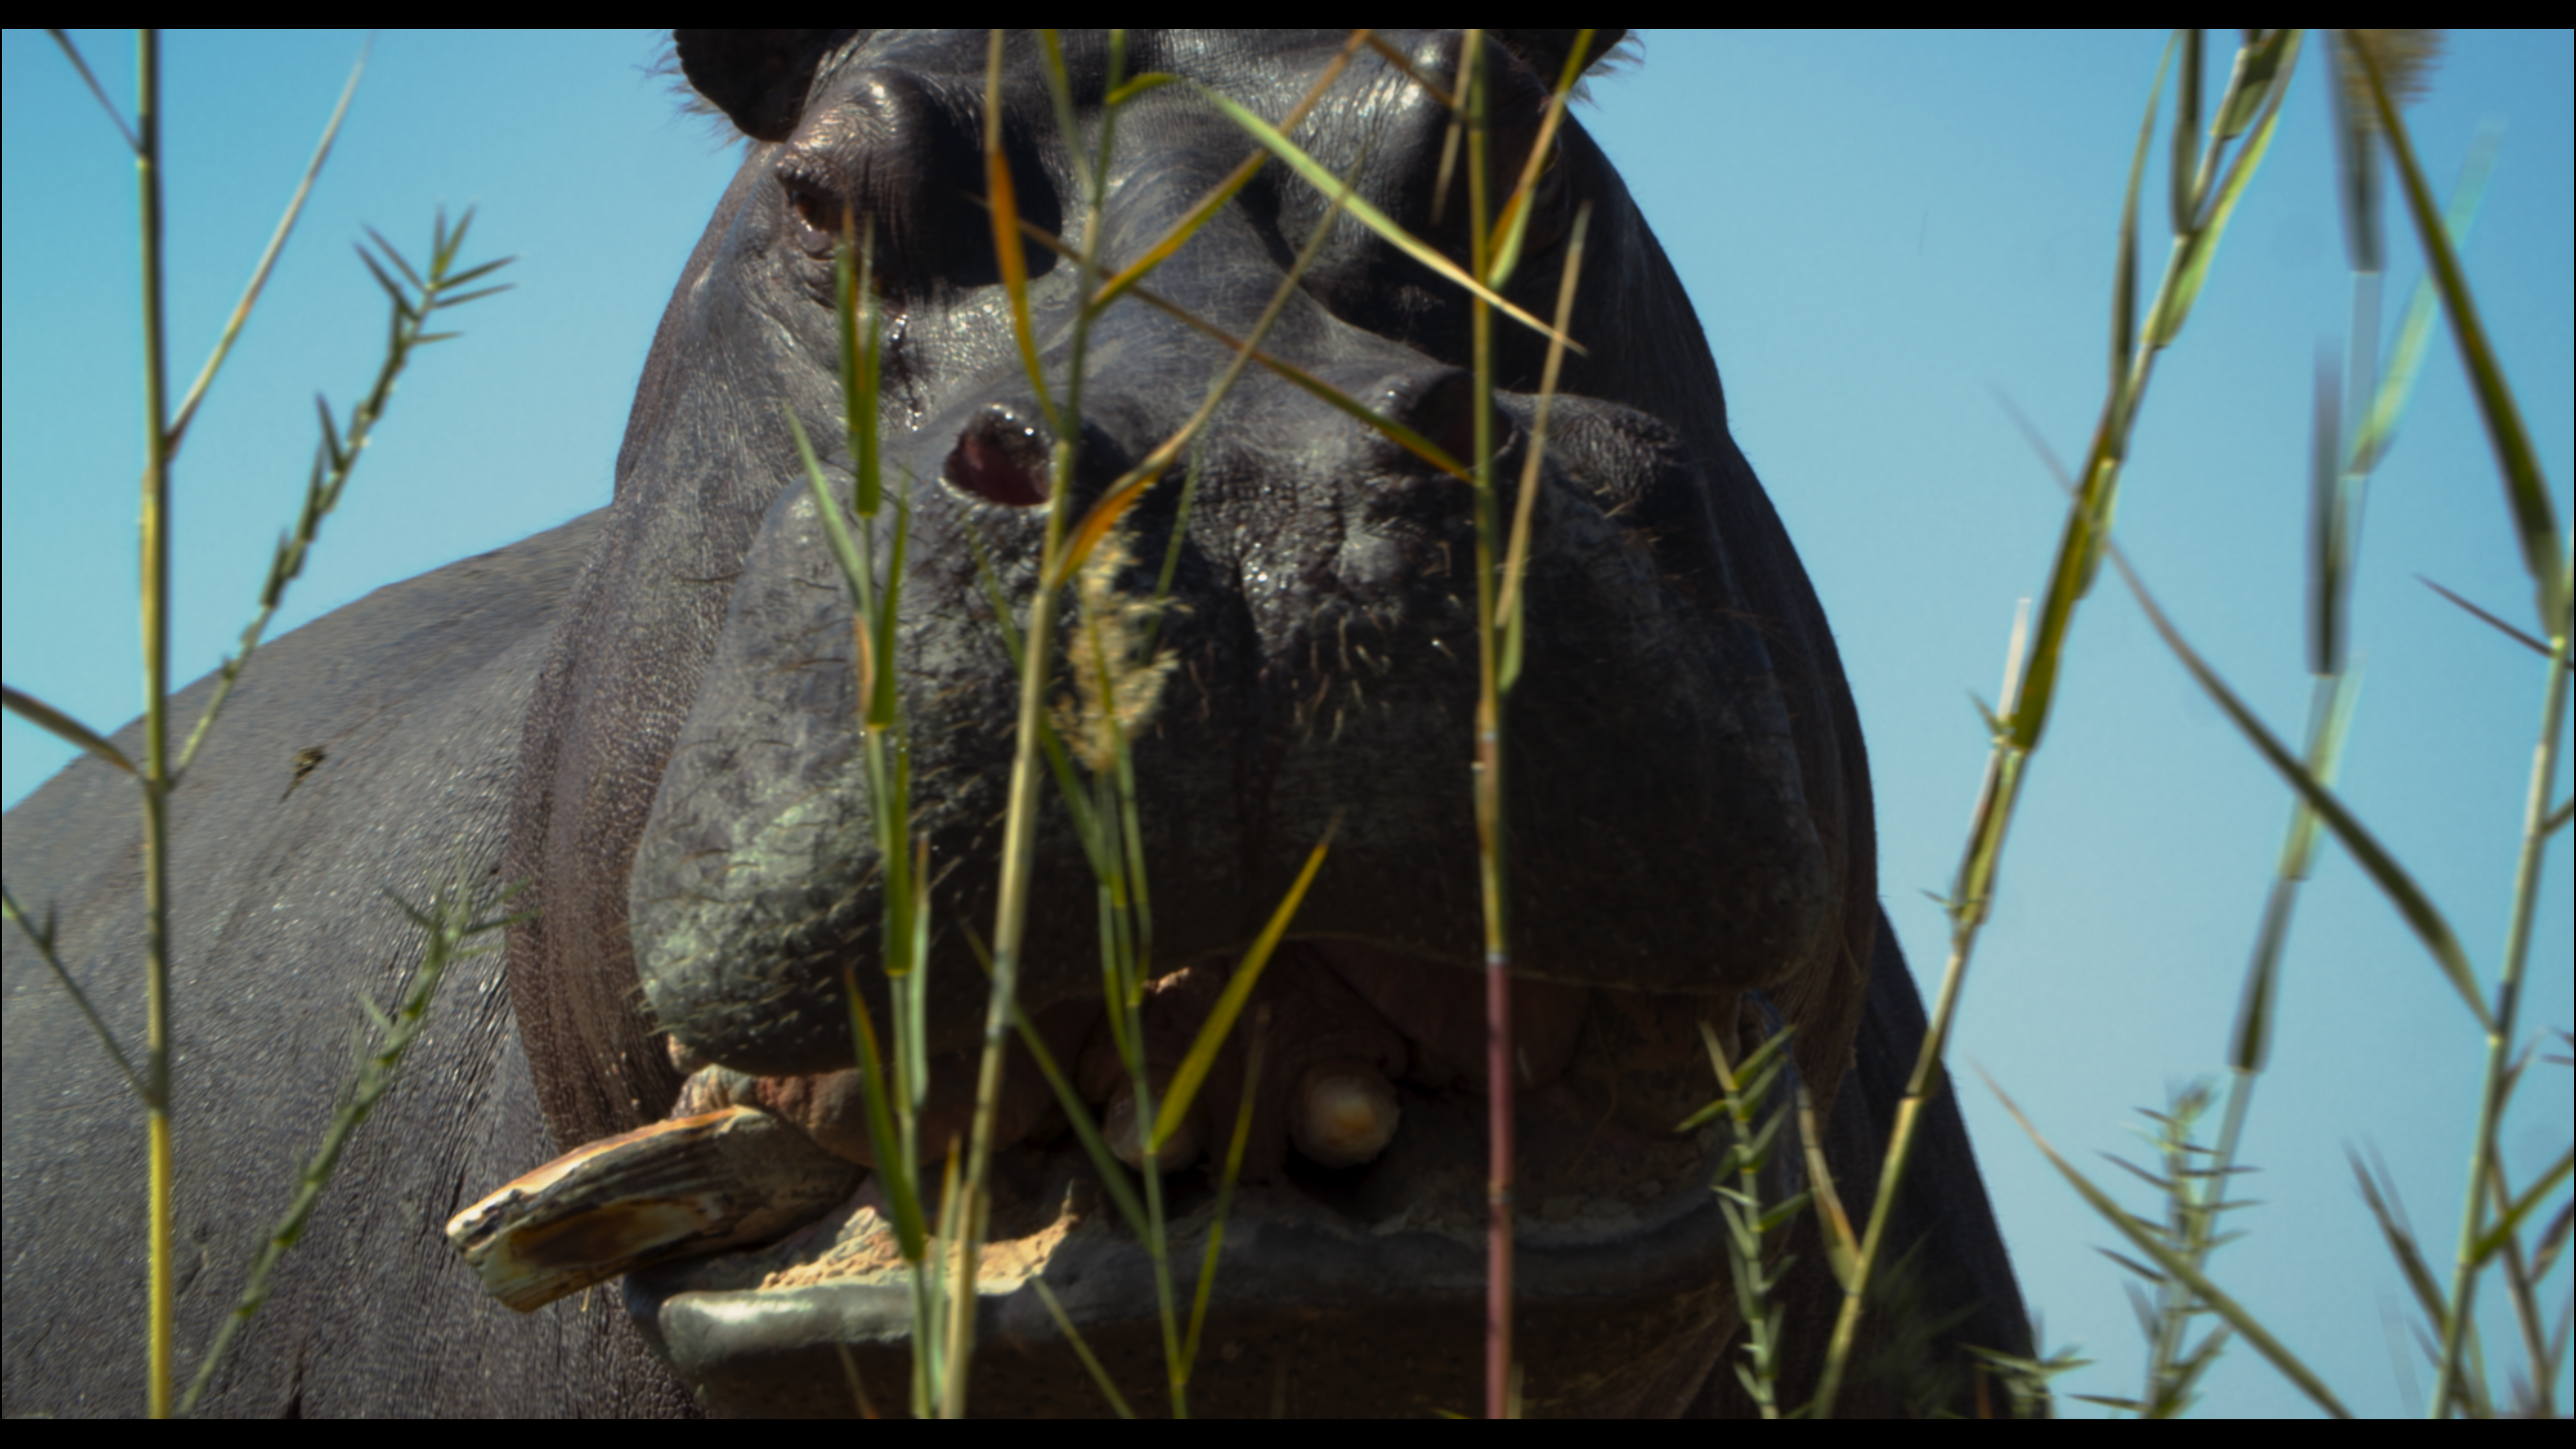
[[892, 151], [818, 210]]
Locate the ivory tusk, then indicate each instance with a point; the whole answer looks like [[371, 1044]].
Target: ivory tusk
[[697, 1184]]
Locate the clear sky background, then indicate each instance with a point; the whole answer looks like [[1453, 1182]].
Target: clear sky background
[[1881, 234]]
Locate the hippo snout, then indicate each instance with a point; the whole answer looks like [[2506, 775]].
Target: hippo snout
[[1321, 669]]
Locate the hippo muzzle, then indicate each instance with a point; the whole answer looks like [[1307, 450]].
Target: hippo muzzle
[[1321, 665]]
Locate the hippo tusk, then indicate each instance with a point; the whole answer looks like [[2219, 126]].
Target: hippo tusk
[[698, 1184]]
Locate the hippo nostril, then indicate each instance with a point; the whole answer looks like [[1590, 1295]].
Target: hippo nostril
[[999, 459]]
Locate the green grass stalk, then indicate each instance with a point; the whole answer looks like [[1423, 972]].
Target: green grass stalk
[[449, 925], [1104, 810], [2545, 556], [2476, 1247], [1744, 1093], [2249, 107], [155, 598], [1019, 830], [2375, 400], [1117, 686], [159, 773], [1487, 779], [2149, 1240], [1493, 250]]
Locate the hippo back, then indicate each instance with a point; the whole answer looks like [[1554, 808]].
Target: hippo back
[[414, 697]]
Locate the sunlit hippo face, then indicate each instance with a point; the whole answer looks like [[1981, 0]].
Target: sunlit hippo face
[[1685, 835]]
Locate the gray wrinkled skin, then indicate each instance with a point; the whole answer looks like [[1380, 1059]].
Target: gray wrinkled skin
[[648, 714]]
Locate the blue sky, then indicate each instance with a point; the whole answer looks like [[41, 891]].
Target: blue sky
[[1882, 234]]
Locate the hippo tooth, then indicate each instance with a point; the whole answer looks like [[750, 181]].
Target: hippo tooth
[[698, 1184], [1344, 1112], [1118, 1128], [685, 1059]]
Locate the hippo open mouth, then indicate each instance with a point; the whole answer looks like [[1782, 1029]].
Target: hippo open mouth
[[1360, 1220]]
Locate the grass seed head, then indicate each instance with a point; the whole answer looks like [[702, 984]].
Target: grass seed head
[[1118, 671], [2406, 59]]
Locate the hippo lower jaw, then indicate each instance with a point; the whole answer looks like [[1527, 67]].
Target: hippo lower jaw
[[1357, 1290]]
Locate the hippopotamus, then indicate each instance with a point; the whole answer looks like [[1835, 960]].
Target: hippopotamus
[[648, 716]]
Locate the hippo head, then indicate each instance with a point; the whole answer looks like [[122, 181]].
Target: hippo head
[[1687, 818]]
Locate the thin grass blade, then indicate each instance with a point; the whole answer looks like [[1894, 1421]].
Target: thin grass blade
[[2501, 1232], [1138, 85], [836, 532], [2357, 186], [1289, 372], [2124, 277], [1842, 1245], [2401, 1242], [1513, 226], [2255, 67], [1507, 606], [1224, 191], [2183, 152], [1393, 431], [268, 258], [884, 703], [62, 726], [1247, 974], [1322, 179], [1090, 1361], [43, 939], [1004, 206], [1126, 491], [894, 1166], [1430, 83], [2329, 539], [394, 255], [1059, 86], [2509, 631], [1103, 517], [2070, 577], [1113, 1173], [2553, 1241], [2526, 492], [858, 398], [2249, 1045], [2202, 246], [2405, 359], [72, 52], [451, 923], [2391, 878], [2144, 1236], [1225, 1190]]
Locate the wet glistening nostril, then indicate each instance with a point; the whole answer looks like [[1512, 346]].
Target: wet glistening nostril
[[1000, 461]]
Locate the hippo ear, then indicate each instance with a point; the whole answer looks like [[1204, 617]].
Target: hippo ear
[[758, 77], [1545, 50]]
